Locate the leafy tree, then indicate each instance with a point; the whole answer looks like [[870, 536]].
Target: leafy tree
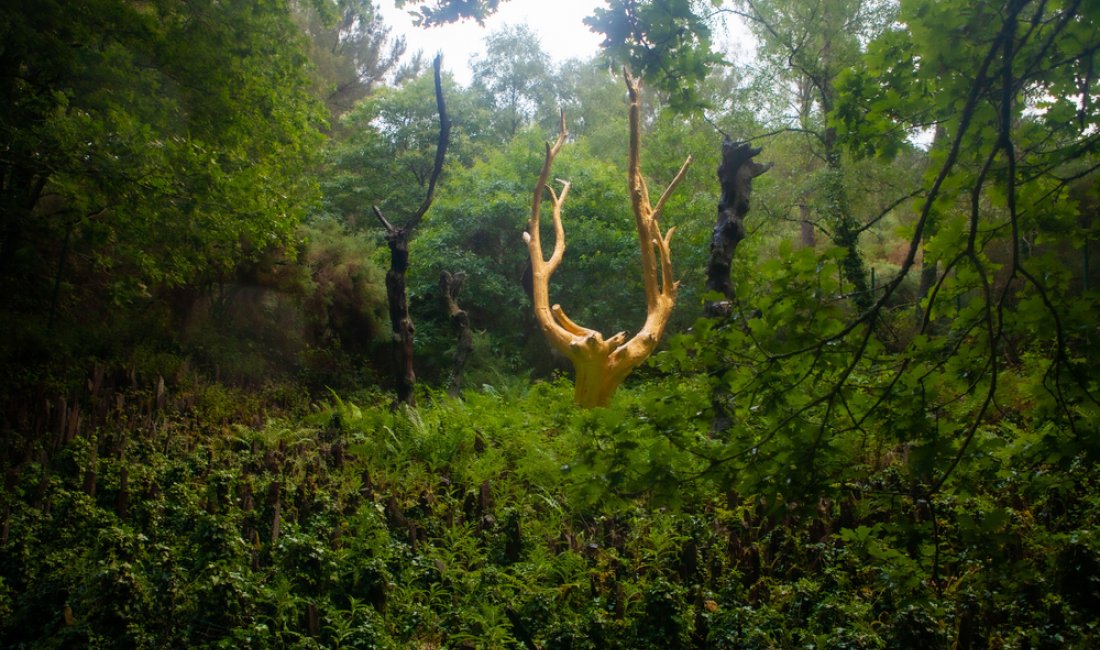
[[397, 238], [147, 146], [398, 125], [918, 88], [440, 12], [665, 43], [1000, 346], [592, 97], [809, 44], [350, 48], [514, 77]]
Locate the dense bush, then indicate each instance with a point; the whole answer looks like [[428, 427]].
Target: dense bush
[[512, 520]]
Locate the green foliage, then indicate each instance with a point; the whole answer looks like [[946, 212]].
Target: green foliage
[[499, 520], [344, 297], [513, 79], [152, 150], [387, 152], [476, 228], [350, 48], [440, 12], [665, 43], [595, 109], [166, 154]]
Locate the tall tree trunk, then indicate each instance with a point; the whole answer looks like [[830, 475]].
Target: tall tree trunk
[[400, 322], [846, 229], [397, 238], [735, 174], [451, 285]]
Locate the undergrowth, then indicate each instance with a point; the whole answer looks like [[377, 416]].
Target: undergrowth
[[512, 520]]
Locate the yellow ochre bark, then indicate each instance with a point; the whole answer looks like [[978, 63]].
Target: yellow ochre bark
[[601, 364]]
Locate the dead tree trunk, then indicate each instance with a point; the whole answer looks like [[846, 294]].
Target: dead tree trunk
[[401, 323], [450, 285], [735, 174], [397, 238], [602, 364]]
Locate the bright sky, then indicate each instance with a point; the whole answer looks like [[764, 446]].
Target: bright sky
[[558, 24]]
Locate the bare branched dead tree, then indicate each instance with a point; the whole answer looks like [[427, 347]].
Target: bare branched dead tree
[[450, 284], [397, 238], [735, 174], [602, 364]]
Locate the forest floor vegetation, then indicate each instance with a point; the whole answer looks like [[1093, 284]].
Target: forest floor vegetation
[[508, 519]]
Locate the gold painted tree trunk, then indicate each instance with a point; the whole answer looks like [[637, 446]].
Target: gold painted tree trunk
[[602, 364]]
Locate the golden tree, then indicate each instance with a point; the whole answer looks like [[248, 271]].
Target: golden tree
[[602, 364]]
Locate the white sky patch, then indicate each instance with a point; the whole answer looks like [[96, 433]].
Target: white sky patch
[[558, 24]]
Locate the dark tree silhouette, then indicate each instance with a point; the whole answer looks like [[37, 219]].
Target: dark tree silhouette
[[397, 238]]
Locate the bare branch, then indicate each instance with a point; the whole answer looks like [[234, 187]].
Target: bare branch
[[557, 333], [671, 186], [601, 365], [385, 224], [568, 324], [440, 148], [885, 211]]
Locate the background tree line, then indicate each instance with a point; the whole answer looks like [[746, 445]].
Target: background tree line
[[201, 178]]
